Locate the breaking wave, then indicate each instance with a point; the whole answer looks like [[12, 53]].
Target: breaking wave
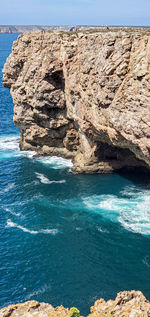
[[9, 146], [56, 162], [9, 143], [132, 211]]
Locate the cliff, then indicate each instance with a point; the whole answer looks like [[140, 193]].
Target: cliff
[[22, 28], [31, 28], [126, 304], [84, 96]]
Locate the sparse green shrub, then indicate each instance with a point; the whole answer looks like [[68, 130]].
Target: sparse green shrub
[[74, 312]]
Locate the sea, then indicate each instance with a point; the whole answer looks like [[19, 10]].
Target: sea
[[67, 239]]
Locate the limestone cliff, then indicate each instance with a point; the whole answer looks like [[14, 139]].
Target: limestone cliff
[[22, 28], [126, 304], [83, 95]]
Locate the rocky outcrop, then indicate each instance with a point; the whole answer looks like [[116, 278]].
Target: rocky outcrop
[[126, 304], [34, 308], [22, 28], [85, 96]]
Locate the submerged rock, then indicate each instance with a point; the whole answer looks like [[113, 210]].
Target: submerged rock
[[84, 96], [126, 304]]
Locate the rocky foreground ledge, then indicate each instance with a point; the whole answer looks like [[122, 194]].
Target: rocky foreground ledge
[[84, 96], [126, 304]]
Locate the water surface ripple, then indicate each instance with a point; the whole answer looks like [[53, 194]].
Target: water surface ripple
[[67, 239]]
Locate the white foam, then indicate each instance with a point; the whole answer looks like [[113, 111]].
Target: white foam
[[132, 211], [49, 231], [17, 203], [36, 182], [107, 204], [58, 182], [45, 180], [42, 178], [28, 154], [11, 224], [100, 229], [38, 291], [17, 214], [9, 143], [56, 162], [79, 229], [7, 188]]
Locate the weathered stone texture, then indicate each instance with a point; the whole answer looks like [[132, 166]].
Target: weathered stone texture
[[84, 95], [126, 304], [33, 308]]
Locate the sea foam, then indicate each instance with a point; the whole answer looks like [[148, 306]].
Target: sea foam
[[41, 290], [9, 145], [56, 162], [11, 224], [45, 180], [132, 211], [17, 214]]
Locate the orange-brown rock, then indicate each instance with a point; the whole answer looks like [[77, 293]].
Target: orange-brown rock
[[33, 308], [84, 96], [126, 304]]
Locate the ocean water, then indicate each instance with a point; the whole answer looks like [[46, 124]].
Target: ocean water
[[67, 239]]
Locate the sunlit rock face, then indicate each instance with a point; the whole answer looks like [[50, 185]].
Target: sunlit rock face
[[126, 304], [34, 308], [84, 96]]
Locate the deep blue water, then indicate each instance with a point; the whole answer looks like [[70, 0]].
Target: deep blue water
[[67, 239]]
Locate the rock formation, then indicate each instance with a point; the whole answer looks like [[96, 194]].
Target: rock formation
[[33, 308], [22, 28], [84, 96], [126, 304]]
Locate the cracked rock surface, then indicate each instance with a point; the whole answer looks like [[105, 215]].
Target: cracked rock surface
[[83, 96]]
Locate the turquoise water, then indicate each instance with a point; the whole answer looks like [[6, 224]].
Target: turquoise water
[[67, 239]]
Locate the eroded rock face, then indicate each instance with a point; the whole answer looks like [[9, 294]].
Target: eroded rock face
[[83, 96], [126, 304], [131, 304], [33, 308]]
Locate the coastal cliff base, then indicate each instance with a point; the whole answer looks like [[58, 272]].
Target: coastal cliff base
[[126, 304], [83, 96]]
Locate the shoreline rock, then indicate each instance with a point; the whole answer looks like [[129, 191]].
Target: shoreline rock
[[126, 304], [83, 96]]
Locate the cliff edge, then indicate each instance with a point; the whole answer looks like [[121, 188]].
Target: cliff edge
[[84, 96], [126, 304]]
